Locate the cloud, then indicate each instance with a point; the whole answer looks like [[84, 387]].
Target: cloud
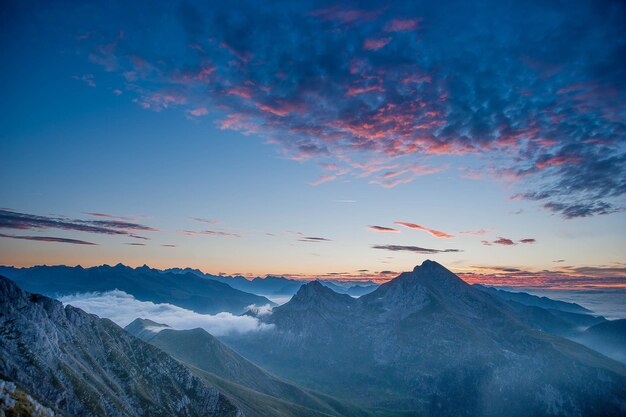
[[376, 43], [402, 25], [564, 278], [314, 239], [433, 232], [503, 241], [259, 311], [48, 239], [168, 246], [383, 229], [323, 179], [123, 308], [22, 221], [203, 220], [219, 233], [416, 249], [507, 242], [541, 107], [480, 232]]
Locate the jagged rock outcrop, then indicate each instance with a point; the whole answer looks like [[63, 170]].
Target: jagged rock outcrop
[[82, 365]]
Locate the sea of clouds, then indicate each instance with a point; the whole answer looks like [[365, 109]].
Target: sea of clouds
[[123, 308]]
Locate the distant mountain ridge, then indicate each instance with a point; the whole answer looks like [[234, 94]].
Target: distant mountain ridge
[[145, 284], [433, 345], [608, 337], [533, 300], [280, 286], [80, 365]]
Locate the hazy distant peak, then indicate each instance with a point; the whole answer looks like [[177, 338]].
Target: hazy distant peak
[[147, 323], [145, 329]]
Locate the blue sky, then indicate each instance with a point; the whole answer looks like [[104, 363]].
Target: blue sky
[[284, 122]]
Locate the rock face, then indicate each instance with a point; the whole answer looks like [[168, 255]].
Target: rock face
[[185, 290], [82, 365], [429, 343]]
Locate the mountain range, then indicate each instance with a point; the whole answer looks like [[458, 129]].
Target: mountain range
[[279, 286], [428, 343], [423, 344], [185, 290]]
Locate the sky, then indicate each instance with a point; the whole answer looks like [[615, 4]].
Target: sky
[[318, 139]]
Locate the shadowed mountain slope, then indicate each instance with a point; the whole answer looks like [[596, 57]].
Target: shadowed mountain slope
[[250, 387], [82, 365], [428, 342]]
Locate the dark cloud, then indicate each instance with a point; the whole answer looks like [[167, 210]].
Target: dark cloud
[[23, 221], [415, 249], [203, 220], [527, 241], [503, 241], [383, 229], [135, 244], [168, 246], [535, 89], [580, 278], [48, 239], [209, 233], [314, 239]]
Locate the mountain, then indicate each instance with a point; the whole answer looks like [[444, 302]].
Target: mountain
[[279, 286], [145, 284], [355, 290], [428, 343], [608, 337], [533, 300], [252, 389], [80, 365], [553, 316]]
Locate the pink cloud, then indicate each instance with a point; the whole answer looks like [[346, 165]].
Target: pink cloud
[[402, 25], [374, 44], [200, 111], [323, 179], [480, 232], [433, 232]]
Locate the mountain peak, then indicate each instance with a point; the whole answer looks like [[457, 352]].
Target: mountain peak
[[316, 293], [145, 329], [429, 274], [313, 289], [429, 265]]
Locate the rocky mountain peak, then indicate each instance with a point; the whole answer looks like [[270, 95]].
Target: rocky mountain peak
[[316, 295], [313, 289], [431, 273]]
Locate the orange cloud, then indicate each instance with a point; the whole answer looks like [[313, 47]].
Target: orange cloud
[[436, 233]]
